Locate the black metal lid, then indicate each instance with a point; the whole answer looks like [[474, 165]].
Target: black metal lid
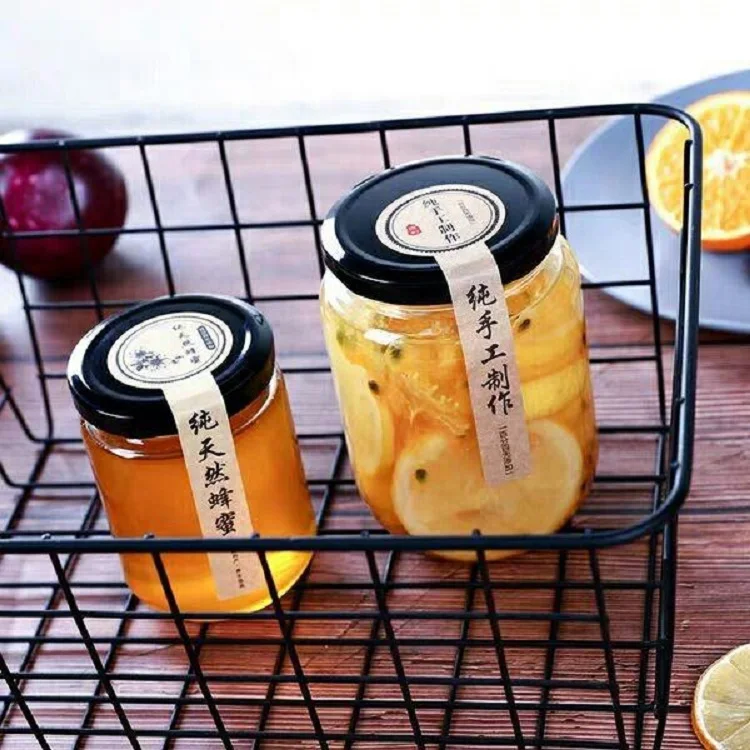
[[518, 223], [117, 371]]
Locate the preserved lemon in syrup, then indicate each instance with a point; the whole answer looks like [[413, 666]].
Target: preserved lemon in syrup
[[399, 369]]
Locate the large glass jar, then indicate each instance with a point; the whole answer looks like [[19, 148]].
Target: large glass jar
[[139, 462], [399, 368]]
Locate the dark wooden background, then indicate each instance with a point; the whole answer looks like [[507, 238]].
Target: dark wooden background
[[714, 571]]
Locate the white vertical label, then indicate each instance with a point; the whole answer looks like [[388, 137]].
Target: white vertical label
[[450, 223], [218, 491], [487, 342]]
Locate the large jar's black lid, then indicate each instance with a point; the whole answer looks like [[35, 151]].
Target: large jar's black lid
[[507, 207], [118, 370]]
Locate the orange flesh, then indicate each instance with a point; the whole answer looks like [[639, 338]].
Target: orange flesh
[[725, 121]]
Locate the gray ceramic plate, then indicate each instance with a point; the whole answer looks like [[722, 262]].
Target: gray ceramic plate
[[610, 244]]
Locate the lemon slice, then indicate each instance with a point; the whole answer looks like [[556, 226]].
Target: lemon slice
[[438, 486], [549, 334], [376, 492], [545, 354], [721, 704], [549, 394], [368, 423]]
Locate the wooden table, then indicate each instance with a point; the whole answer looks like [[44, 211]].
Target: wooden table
[[714, 572]]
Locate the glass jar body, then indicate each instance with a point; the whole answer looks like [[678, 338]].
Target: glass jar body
[[145, 489], [401, 382]]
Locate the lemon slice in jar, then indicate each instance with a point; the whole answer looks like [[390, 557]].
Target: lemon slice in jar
[[721, 705], [549, 333], [439, 488], [549, 394], [369, 425]]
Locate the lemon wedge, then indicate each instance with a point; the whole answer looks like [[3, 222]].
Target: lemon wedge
[[721, 704], [439, 488]]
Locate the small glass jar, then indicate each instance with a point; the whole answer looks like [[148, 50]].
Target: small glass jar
[[131, 436], [399, 370]]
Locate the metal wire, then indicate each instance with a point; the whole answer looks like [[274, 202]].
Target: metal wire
[[489, 665]]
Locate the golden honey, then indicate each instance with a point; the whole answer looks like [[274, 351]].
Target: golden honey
[[145, 490], [121, 376]]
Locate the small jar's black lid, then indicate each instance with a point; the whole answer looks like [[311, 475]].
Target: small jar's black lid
[[519, 225], [117, 371]]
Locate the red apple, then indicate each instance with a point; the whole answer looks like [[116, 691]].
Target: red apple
[[35, 195]]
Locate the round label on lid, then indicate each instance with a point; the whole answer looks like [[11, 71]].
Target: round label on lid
[[169, 348], [440, 219]]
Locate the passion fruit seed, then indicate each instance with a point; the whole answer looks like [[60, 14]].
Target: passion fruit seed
[[395, 351], [346, 337], [420, 475], [373, 386]]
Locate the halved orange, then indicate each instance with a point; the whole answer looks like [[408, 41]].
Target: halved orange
[[725, 121]]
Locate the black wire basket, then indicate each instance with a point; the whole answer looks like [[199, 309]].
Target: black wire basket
[[567, 646]]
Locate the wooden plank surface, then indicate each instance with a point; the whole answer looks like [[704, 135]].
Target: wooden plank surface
[[713, 583]]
